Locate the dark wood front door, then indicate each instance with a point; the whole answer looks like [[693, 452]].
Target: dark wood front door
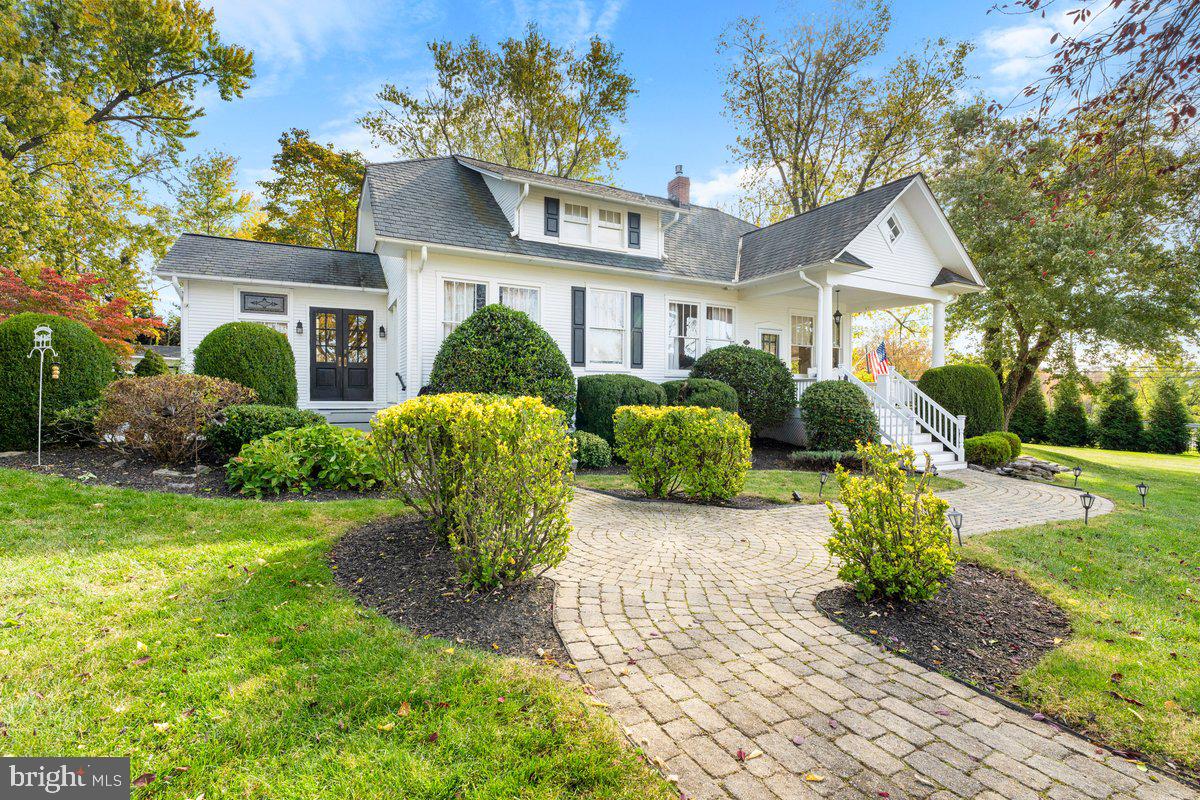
[[342, 365]]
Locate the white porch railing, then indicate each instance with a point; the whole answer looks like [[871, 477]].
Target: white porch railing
[[897, 425], [941, 424], [802, 383]]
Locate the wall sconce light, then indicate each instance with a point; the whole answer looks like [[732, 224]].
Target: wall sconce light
[[299, 328], [382, 332]]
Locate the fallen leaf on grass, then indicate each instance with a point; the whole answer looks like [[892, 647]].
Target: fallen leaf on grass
[[387, 726], [432, 738], [162, 727], [144, 779], [404, 710]]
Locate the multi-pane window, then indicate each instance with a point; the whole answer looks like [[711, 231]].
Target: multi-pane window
[[358, 336], [606, 323], [802, 344], [575, 213], [325, 337], [683, 332], [609, 232], [770, 343], [461, 299], [894, 231], [576, 224], [522, 298], [720, 327], [609, 218]]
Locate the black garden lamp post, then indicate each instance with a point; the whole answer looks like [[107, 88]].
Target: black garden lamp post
[[1142, 490], [956, 519], [1077, 472], [933, 470], [824, 476], [1087, 498]]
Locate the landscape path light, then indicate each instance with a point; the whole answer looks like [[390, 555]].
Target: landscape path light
[[956, 520], [1142, 490], [1077, 472], [1087, 498]]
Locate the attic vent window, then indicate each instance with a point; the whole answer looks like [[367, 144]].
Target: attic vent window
[[894, 231]]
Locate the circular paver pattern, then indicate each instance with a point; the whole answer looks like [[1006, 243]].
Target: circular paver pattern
[[697, 629]]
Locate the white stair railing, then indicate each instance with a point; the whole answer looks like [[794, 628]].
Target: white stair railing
[[897, 423], [929, 415]]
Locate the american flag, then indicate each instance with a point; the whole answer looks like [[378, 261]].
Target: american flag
[[877, 362]]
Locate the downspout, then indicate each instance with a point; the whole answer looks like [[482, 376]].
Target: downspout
[[516, 231], [662, 244], [817, 321]]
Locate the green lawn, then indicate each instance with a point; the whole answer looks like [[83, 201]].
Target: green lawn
[[205, 639], [775, 485], [1131, 583]]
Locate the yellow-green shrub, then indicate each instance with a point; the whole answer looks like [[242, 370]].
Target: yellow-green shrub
[[703, 452], [493, 474], [892, 540]]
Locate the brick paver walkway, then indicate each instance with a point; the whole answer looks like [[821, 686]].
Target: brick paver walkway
[[696, 627]]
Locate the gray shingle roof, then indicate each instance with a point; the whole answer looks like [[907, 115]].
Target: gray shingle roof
[[570, 184], [947, 277], [818, 235], [441, 201], [220, 257]]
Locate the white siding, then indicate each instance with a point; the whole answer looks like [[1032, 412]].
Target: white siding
[[533, 222], [213, 303], [364, 240], [507, 194], [910, 259]]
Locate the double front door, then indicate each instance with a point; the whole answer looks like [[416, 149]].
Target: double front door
[[342, 361]]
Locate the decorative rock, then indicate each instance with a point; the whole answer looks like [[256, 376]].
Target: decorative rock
[[118, 464], [12, 453], [181, 486], [203, 469], [166, 473]]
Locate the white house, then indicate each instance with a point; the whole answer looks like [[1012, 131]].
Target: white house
[[623, 281]]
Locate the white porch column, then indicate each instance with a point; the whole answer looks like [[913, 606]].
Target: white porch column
[[823, 336], [847, 343], [938, 345]]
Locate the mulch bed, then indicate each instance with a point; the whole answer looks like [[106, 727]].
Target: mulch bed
[[399, 568], [105, 466], [984, 627]]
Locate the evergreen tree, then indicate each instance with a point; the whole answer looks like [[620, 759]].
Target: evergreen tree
[[1120, 421], [1029, 418], [1068, 424], [1168, 431]]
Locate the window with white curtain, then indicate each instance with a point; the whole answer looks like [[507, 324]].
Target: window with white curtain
[[522, 298], [802, 344], [460, 300], [606, 322], [683, 335], [720, 327]]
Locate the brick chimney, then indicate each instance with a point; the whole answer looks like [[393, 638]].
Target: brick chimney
[[680, 187]]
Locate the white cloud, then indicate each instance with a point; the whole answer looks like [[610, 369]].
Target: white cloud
[[724, 186], [1018, 52], [569, 21]]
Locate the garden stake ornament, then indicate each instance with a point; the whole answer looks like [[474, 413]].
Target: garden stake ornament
[[41, 343]]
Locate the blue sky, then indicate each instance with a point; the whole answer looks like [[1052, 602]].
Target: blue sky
[[320, 62]]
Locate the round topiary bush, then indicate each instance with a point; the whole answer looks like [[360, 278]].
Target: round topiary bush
[[1014, 443], [837, 416], [968, 389], [499, 350], [253, 355], [701, 392], [1029, 417], [601, 395], [85, 368], [988, 450], [151, 364], [765, 390], [591, 452]]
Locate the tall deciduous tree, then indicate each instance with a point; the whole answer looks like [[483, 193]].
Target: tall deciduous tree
[[96, 96], [527, 104], [208, 200], [313, 200], [814, 125], [1092, 253]]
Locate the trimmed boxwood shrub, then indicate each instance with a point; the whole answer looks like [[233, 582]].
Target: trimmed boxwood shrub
[[1029, 417], [151, 364], [765, 390], [837, 416], [239, 425], [825, 460], [703, 452], [1067, 425], [253, 355], [1168, 429], [968, 389], [601, 395], [85, 368], [1014, 442], [989, 450], [591, 452], [304, 459], [702, 392], [1119, 423], [499, 350]]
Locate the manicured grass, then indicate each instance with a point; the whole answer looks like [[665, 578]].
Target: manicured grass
[[1131, 583], [205, 639], [775, 485]]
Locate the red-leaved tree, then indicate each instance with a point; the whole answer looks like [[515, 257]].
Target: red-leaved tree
[[81, 299]]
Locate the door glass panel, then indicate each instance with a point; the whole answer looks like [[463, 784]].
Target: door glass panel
[[327, 337], [357, 341]]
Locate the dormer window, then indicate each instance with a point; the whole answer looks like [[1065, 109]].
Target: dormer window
[[892, 229], [609, 231], [576, 222], [610, 219]]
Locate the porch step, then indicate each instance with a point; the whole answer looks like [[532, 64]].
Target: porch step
[[359, 418]]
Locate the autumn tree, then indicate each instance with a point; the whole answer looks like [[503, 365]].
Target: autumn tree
[[815, 123], [208, 200], [313, 199], [527, 104], [1091, 255], [96, 98]]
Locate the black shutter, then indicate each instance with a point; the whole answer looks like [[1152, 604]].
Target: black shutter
[[551, 205], [635, 231], [578, 326], [480, 295], [637, 306]]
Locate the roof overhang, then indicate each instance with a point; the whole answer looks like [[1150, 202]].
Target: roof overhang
[[167, 274], [947, 247]]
